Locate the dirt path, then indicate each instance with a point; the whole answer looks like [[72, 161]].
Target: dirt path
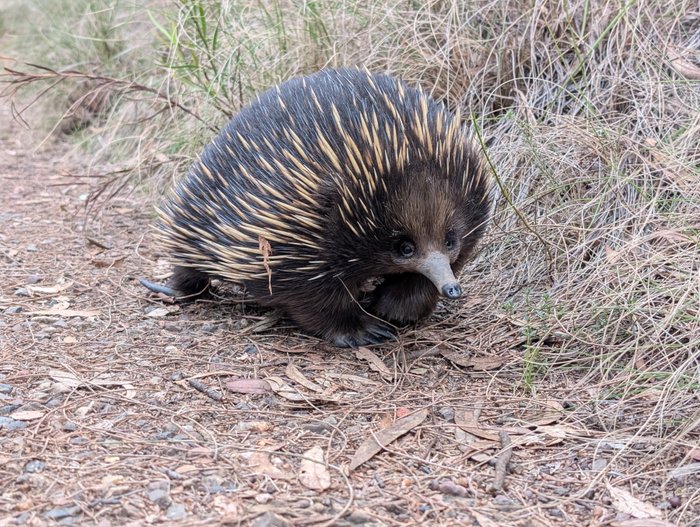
[[105, 417]]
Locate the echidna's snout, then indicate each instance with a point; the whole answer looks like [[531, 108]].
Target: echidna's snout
[[451, 290], [436, 267]]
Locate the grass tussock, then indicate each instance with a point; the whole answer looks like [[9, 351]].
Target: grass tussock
[[591, 110]]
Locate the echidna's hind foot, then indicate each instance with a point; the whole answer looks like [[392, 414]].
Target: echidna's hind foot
[[404, 298], [188, 282], [373, 333]]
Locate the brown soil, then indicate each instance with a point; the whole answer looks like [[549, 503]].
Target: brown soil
[[117, 408]]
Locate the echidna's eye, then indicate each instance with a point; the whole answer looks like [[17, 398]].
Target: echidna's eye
[[407, 248], [450, 241]]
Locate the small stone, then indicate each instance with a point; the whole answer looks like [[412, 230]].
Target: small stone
[[557, 513], [210, 328], [599, 464], [160, 497], [34, 466], [13, 310], [6, 388], [176, 376], [69, 426], [33, 279], [62, 512], [447, 413], [318, 427], [9, 424], [170, 349], [359, 517], [21, 291], [263, 498], [270, 519], [32, 248], [9, 408], [675, 502], [176, 512], [250, 349], [62, 324], [22, 518], [161, 484]]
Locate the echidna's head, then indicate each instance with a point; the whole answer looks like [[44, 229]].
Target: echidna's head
[[427, 225]]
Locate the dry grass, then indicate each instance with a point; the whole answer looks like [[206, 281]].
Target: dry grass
[[587, 290]]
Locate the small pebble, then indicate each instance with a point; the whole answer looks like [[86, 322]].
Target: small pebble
[[209, 328], [160, 497], [9, 425], [447, 413], [176, 512], [599, 464], [270, 519], [21, 291], [359, 517], [33, 279], [263, 498], [675, 501], [32, 248], [6, 388], [34, 466], [13, 310], [62, 512], [69, 426]]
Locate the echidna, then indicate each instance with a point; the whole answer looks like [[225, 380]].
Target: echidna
[[322, 185]]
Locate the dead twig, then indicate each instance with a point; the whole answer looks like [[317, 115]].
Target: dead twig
[[201, 387], [502, 461]]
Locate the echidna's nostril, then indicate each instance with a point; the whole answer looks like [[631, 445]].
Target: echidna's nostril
[[452, 290]]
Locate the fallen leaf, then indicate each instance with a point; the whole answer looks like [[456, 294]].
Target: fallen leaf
[[375, 363], [374, 444], [65, 313], [553, 412], [646, 522], [686, 68], [479, 363], [65, 377], [158, 312], [261, 464], [466, 420], [295, 374], [70, 379], [283, 389], [561, 431], [108, 262], [313, 473], [50, 290], [248, 386], [624, 502], [26, 415]]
